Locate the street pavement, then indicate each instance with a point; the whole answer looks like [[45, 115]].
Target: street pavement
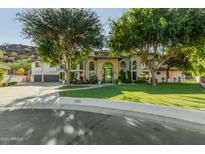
[[35, 114], [43, 126]]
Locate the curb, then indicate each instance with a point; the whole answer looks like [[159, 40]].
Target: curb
[[121, 107], [85, 88]]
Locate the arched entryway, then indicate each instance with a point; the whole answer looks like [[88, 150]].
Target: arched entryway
[[108, 72]]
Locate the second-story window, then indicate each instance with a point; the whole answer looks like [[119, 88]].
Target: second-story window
[[37, 64], [91, 66]]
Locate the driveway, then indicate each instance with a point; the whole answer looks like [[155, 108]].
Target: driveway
[[37, 126], [22, 92]]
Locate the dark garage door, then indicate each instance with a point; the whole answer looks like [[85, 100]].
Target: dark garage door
[[37, 78], [51, 78]]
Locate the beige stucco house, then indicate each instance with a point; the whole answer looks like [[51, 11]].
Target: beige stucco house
[[105, 68]]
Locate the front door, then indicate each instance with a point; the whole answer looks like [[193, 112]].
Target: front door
[[134, 76], [108, 72], [108, 75]]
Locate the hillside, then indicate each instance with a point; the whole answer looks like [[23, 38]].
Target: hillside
[[15, 52]]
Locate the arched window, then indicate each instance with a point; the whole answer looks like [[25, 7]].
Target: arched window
[[108, 65], [91, 66], [123, 64], [134, 65]]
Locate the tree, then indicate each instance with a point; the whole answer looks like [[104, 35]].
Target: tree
[[60, 34], [156, 35], [20, 71], [180, 61], [197, 59], [24, 63]]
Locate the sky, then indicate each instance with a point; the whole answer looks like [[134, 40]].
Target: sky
[[10, 29]]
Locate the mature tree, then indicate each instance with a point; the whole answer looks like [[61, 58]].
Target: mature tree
[[180, 61], [20, 71], [197, 59], [24, 63], [60, 34], [157, 34]]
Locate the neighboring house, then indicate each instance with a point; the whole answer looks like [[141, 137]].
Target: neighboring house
[[4, 68], [42, 72], [200, 79], [103, 67]]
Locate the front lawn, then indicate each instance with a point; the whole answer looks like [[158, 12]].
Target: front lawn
[[186, 95]]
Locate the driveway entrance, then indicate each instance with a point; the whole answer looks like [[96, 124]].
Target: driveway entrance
[[20, 93]]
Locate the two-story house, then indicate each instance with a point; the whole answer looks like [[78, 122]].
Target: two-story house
[[105, 68]]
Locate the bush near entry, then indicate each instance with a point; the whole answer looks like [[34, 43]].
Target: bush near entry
[[122, 76], [1, 74], [141, 81], [6, 84]]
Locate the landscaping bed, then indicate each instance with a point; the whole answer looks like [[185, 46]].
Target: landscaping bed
[[6, 84], [186, 95]]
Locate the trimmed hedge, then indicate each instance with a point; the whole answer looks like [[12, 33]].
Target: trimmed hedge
[[141, 81], [6, 84]]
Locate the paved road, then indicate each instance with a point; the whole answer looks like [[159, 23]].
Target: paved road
[[38, 126]]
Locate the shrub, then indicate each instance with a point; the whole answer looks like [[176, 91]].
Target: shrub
[[5, 84], [141, 81], [128, 80], [129, 75], [11, 83], [20, 71], [122, 76], [73, 76], [1, 75]]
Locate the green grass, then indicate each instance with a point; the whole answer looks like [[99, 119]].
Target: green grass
[[72, 87], [186, 95]]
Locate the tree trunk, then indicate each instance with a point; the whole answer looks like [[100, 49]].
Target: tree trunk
[[67, 78], [67, 72], [167, 74], [153, 82]]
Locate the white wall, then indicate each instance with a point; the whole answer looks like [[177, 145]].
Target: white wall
[[174, 74], [44, 69]]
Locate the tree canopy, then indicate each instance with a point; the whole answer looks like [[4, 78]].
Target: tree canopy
[[157, 34], [14, 66], [1, 55], [197, 59], [60, 34]]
